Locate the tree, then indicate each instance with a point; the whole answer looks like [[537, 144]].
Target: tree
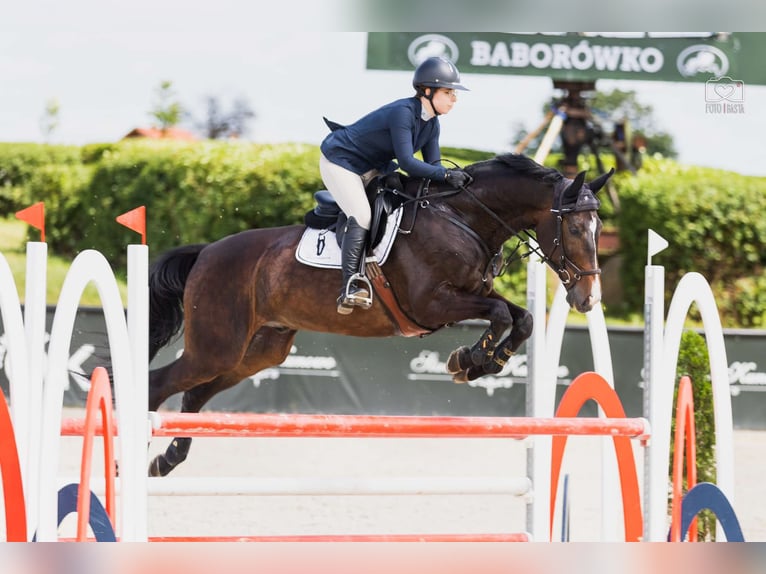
[[232, 124], [167, 110], [50, 118]]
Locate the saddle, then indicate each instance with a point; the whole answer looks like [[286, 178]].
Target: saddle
[[383, 193]]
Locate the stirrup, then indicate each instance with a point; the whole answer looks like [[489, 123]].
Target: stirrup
[[356, 299]]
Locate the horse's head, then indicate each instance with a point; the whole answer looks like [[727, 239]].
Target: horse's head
[[569, 239]]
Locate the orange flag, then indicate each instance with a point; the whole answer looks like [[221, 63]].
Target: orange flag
[[135, 220], [34, 215]]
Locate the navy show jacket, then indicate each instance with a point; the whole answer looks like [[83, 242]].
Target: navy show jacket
[[394, 131]]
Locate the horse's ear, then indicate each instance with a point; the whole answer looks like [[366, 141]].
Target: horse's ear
[[573, 191], [600, 181]]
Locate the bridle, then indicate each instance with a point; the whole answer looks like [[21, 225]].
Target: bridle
[[564, 260], [584, 202]]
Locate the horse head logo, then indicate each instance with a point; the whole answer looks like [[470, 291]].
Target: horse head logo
[[702, 59], [430, 45]]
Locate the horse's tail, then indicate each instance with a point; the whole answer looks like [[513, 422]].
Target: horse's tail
[[167, 281]]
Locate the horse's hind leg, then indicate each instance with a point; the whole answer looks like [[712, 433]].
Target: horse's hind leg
[[192, 402], [269, 347]]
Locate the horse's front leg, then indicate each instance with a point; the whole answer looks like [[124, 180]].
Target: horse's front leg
[[467, 364], [520, 332], [465, 358], [464, 362]]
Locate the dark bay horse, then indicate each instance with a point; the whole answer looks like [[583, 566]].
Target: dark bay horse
[[242, 299]]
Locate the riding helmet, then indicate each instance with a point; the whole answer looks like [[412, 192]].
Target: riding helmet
[[437, 72]]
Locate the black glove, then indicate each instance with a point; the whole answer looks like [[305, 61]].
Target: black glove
[[457, 178]]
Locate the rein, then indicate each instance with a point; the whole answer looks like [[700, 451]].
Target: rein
[[424, 198], [496, 265]]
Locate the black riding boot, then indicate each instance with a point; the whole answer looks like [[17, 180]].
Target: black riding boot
[[353, 292]]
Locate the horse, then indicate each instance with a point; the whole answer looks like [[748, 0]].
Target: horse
[[242, 299]]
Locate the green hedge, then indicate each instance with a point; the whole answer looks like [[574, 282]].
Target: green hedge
[[20, 163], [713, 221], [192, 193]]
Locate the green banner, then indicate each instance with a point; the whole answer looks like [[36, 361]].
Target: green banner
[[575, 57], [407, 376]]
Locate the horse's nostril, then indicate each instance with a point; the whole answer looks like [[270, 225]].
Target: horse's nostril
[[585, 303], [591, 301]]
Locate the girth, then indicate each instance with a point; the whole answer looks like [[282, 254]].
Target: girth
[[406, 326]]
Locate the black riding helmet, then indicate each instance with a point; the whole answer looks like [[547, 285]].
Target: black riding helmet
[[436, 72]]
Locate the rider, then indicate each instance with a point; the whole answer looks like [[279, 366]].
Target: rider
[[352, 155]]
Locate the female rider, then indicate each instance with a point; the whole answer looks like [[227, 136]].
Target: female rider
[[352, 155]]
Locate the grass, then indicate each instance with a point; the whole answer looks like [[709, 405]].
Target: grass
[[13, 248]]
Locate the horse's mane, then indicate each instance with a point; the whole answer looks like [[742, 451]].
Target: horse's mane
[[522, 165]]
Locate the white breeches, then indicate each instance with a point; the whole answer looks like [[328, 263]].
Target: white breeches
[[347, 188]]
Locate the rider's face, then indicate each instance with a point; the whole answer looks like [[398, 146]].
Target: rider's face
[[444, 99]]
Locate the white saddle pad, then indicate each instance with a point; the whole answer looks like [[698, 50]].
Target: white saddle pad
[[319, 247]]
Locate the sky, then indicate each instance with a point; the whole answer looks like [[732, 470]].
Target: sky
[[103, 61]]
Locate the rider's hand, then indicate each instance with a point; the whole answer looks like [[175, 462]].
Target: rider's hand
[[457, 178]]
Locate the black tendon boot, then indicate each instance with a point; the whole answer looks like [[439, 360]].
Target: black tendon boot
[[354, 293]]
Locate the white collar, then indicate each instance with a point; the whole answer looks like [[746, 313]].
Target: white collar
[[425, 115]]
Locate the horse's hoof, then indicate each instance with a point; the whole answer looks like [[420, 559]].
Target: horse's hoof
[[159, 466], [459, 360], [460, 378]]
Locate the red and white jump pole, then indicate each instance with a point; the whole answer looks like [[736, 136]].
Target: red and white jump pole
[[375, 426]]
